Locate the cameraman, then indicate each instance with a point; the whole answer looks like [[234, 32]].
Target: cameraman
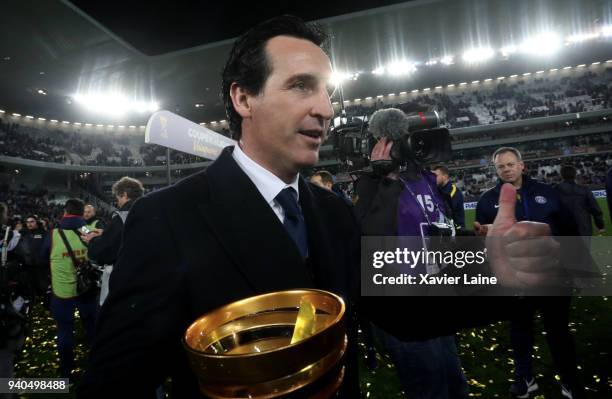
[[406, 202]]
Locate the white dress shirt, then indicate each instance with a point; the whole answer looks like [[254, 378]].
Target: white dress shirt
[[268, 184]]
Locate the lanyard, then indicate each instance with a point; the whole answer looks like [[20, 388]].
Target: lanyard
[[435, 203]]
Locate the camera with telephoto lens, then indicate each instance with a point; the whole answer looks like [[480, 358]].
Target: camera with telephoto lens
[[416, 137]]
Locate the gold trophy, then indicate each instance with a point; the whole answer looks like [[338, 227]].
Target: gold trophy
[[277, 345]]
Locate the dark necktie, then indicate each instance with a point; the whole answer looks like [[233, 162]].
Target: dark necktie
[[294, 219]]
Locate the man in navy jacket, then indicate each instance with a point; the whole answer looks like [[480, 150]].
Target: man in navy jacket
[[536, 202]]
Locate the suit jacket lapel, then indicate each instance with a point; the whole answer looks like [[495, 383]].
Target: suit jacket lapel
[[249, 231]]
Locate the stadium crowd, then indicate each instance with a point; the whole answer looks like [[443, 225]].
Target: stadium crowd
[[501, 102], [524, 99]]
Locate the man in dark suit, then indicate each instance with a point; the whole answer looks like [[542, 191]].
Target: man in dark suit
[[249, 224]]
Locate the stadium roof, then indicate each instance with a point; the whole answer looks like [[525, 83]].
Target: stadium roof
[[173, 52]]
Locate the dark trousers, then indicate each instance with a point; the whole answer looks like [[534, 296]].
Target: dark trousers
[[428, 369], [62, 311], [555, 315]]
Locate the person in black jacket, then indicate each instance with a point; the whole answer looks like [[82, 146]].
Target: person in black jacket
[[104, 245], [234, 230], [453, 196], [580, 203], [29, 250]]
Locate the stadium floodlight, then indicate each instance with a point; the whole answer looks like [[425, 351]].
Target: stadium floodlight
[[606, 31], [16, 114], [539, 72], [88, 125], [368, 98], [596, 63], [66, 122], [41, 92], [114, 104], [222, 121], [608, 61], [475, 81], [379, 96], [438, 87], [1, 111], [401, 67], [335, 103], [553, 70], [462, 83], [142, 126], [42, 119], [501, 77], [448, 60], [527, 74], [581, 37], [479, 54], [100, 125], [545, 43], [338, 77], [567, 67], [53, 120], [379, 71], [488, 80], [357, 100], [391, 94], [431, 62], [77, 123], [111, 126], [580, 66], [426, 89], [29, 117], [508, 50], [415, 91], [513, 76], [450, 85], [345, 102], [402, 93]]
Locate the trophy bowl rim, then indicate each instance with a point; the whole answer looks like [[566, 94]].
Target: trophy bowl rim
[[336, 322]]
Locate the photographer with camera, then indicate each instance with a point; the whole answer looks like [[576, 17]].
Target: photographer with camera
[[401, 198], [68, 259]]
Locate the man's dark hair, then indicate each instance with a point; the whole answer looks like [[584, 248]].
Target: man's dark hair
[[74, 206], [126, 185], [568, 172], [248, 65], [442, 169], [326, 177]]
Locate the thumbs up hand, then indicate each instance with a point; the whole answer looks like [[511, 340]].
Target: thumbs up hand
[[523, 254]]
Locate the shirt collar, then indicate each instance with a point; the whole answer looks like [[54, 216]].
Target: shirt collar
[[268, 184]]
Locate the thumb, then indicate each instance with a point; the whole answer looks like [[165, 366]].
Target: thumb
[[507, 205]]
